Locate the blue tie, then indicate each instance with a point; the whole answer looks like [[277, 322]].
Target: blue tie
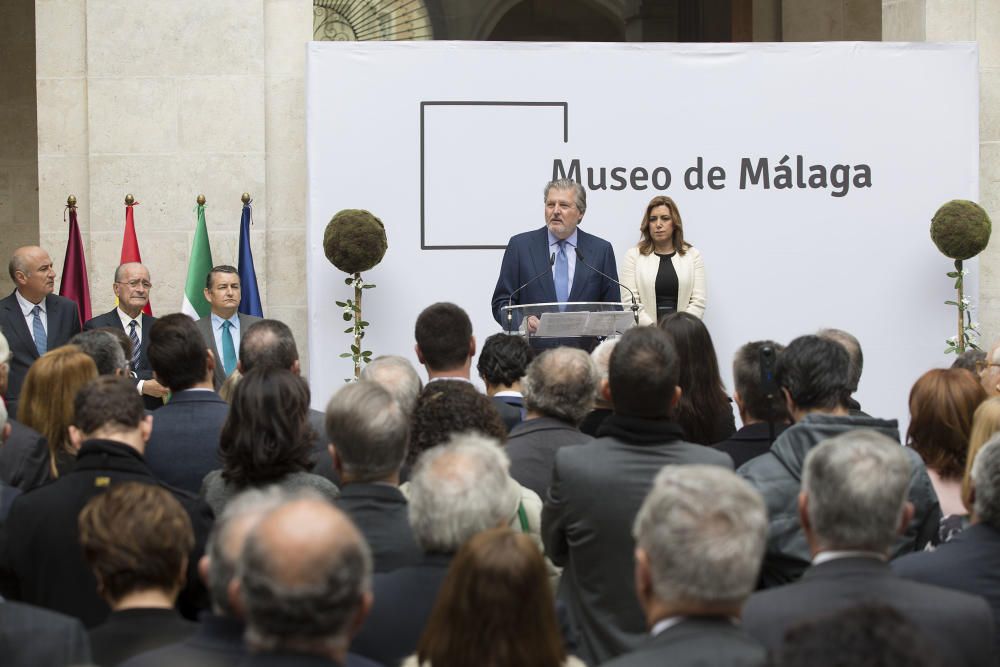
[[562, 275], [38, 330], [228, 349], [136, 345]]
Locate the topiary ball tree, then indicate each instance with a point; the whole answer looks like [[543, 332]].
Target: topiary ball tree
[[355, 241]]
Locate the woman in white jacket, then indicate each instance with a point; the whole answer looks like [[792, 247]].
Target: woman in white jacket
[[665, 272]]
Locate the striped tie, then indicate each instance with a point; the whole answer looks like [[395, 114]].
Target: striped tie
[[136, 345]]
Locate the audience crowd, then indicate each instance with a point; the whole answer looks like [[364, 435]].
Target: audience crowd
[[165, 503]]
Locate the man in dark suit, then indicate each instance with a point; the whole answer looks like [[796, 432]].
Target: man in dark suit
[[368, 434], [558, 392], [852, 505], [21, 445], [36, 637], [970, 561], [444, 342], [184, 446], [597, 489], [222, 329], [692, 574], [33, 319], [759, 400], [456, 491], [131, 287], [42, 560], [558, 255]]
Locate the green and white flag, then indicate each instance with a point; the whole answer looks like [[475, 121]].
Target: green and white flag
[[199, 265]]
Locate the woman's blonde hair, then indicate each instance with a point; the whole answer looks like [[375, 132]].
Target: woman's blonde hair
[[985, 423]]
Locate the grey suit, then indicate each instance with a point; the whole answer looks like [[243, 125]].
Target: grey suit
[[532, 447], [36, 637], [694, 642], [205, 327]]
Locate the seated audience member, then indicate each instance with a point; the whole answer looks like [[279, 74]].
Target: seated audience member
[[942, 403], [864, 636], [970, 562], [136, 539], [397, 376], [971, 360], [602, 407], [184, 446], [851, 507], [457, 490], [368, 434], [989, 371], [501, 365], [761, 404], [704, 411], [813, 375], [304, 584], [497, 581], [102, 346], [856, 365], [218, 642], [22, 442], [46, 406], [445, 344], [559, 390], [44, 557], [985, 424], [699, 538], [597, 488], [266, 439]]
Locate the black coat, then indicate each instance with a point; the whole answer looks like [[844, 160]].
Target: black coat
[[380, 513], [130, 632], [35, 637], [184, 446], [749, 442], [694, 642]]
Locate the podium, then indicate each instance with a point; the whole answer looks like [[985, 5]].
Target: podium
[[581, 319]]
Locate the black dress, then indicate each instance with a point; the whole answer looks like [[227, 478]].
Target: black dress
[[666, 286]]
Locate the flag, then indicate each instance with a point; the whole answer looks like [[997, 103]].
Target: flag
[[199, 265], [74, 284], [250, 301], [130, 247]]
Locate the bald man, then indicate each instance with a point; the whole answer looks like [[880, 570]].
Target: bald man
[[33, 319]]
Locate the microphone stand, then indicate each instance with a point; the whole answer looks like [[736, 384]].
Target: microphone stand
[[510, 299], [635, 306]]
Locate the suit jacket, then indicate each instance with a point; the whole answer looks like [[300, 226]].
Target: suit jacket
[[63, 323], [278, 659], [24, 458], [639, 274], [511, 409], [749, 442], [42, 560], [143, 371], [35, 637], [532, 448], [130, 632], [595, 493], [322, 461], [217, 642], [380, 513], [403, 602], [970, 562], [527, 255], [205, 327], [694, 642], [184, 446], [958, 625]]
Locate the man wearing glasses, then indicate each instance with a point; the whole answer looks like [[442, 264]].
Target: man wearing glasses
[[989, 371], [131, 288]]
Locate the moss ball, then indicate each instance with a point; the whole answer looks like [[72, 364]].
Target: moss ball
[[355, 240], [961, 229]]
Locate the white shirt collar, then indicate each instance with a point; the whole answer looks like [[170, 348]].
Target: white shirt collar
[[665, 624], [127, 319], [827, 556], [27, 306], [570, 240]]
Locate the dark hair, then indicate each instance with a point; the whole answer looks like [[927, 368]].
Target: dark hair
[[443, 331], [495, 608], [122, 338], [942, 404], [677, 237], [704, 403], [267, 434], [969, 359], [177, 352], [814, 371], [643, 373], [749, 383], [108, 401], [221, 268], [135, 536], [103, 348], [504, 359], [446, 407], [267, 344]]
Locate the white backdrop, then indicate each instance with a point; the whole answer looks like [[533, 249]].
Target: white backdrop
[[451, 143]]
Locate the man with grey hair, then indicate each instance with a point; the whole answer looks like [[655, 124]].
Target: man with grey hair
[[601, 356], [970, 561], [457, 490], [398, 376], [572, 254], [989, 371], [304, 582], [102, 346], [852, 505], [558, 389], [700, 538], [368, 432], [857, 364]]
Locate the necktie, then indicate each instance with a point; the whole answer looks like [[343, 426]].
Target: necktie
[[562, 275], [136, 345], [38, 331], [228, 349]]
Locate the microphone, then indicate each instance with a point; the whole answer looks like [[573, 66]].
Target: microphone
[[510, 299], [635, 306]]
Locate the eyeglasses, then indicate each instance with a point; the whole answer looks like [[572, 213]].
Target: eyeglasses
[[134, 284], [983, 364]]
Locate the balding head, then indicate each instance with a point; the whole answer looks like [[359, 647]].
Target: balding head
[[561, 383], [268, 344], [31, 270], [397, 376]]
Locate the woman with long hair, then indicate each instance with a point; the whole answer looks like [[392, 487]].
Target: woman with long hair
[[985, 424]]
